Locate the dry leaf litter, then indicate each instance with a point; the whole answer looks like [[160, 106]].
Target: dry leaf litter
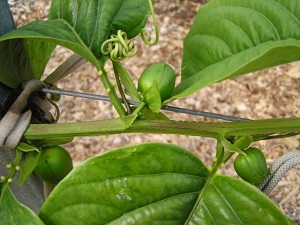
[[270, 93]]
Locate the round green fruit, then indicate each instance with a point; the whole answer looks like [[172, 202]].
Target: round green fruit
[[251, 167], [163, 75], [54, 164]]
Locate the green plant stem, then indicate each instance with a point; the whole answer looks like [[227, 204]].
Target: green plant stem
[[76, 61], [111, 93], [227, 156], [14, 165], [219, 157], [118, 125], [121, 90], [139, 108]]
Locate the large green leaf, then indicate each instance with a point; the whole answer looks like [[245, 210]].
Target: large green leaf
[[17, 56], [13, 212], [96, 20], [234, 37], [55, 31], [155, 184], [227, 200], [22, 60], [133, 185]]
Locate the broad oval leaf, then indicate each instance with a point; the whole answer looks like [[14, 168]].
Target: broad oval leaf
[[13, 212], [155, 183], [96, 20], [231, 38], [227, 200], [17, 56], [133, 185], [54, 31], [22, 60]]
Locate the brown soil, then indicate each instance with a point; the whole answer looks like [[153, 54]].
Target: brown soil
[[270, 93]]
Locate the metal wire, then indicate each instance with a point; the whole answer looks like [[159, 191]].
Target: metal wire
[[165, 107]]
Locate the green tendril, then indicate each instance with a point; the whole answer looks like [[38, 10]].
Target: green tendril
[[118, 47], [145, 34]]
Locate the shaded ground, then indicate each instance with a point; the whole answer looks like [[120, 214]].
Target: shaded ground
[[269, 93]]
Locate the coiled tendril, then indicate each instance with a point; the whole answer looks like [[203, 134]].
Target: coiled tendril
[[118, 47], [145, 34]]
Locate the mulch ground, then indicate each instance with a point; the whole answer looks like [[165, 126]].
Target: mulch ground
[[270, 93]]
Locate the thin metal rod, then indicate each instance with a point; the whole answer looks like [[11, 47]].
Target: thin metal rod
[[76, 94], [203, 114], [164, 107]]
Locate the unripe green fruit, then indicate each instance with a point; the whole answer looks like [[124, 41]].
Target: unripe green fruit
[[251, 167], [161, 73], [54, 164]]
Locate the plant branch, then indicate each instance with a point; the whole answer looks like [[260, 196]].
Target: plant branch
[[111, 92], [118, 125], [126, 103]]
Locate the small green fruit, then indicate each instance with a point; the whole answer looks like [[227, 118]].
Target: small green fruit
[[251, 167], [54, 164], [163, 75]]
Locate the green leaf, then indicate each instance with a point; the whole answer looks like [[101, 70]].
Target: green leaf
[[229, 146], [18, 56], [233, 37], [55, 31], [137, 185], [243, 142], [28, 165], [22, 60], [96, 20], [24, 147], [227, 200], [128, 120], [152, 97], [13, 212]]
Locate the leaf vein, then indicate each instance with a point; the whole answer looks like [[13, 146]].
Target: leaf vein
[[285, 9], [227, 203], [265, 17], [210, 215]]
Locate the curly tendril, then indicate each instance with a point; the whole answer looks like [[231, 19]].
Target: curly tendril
[[118, 47], [145, 34]]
